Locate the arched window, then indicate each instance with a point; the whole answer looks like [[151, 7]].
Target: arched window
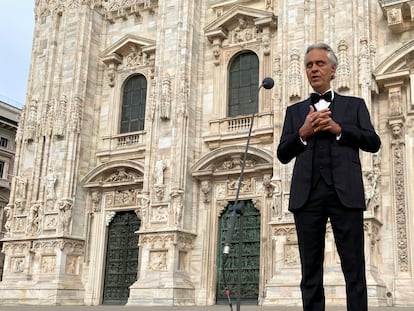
[[243, 84], [133, 104]]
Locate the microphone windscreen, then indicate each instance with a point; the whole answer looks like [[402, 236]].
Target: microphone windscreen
[[268, 83]]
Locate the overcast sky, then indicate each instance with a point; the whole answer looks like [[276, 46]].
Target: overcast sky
[[16, 35]]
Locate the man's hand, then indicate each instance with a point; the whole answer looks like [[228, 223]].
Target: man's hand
[[317, 121]]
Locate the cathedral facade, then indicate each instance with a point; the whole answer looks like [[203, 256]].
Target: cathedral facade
[[133, 137]]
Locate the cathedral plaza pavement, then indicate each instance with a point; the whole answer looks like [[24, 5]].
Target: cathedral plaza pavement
[[191, 308]]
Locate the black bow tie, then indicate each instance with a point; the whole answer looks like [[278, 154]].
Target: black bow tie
[[315, 97]]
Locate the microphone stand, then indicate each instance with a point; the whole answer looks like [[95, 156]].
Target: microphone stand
[[237, 209]]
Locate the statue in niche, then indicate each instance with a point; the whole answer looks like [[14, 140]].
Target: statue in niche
[[8, 212], [371, 191], [206, 190], [177, 207], [51, 179], [21, 183], [65, 210], [143, 203], [34, 219], [160, 166], [277, 198]]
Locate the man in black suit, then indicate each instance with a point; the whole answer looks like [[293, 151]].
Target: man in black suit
[[325, 133]]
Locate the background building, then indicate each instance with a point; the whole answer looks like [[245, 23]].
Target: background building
[[130, 146], [9, 117]]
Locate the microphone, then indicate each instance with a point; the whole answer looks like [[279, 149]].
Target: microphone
[[268, 83], [237, 207]]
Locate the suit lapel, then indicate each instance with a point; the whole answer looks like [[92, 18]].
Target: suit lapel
[[339, 108]]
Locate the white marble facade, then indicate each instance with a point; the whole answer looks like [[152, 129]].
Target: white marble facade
[[75, 171]]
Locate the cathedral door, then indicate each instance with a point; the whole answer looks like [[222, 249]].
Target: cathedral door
[[121, 258], [250, 257]]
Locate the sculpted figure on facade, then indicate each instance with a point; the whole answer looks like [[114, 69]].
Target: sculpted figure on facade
[[8, 212], [121, 175], [159, 186], [96, 201], [158, 261], [177, 207], [34, 219], [65, 215], [17, 264], [243, 32], [143, 203], [396, 130], [50, 183], [206, 190], [21, 184], [277, 199], [160, 166]]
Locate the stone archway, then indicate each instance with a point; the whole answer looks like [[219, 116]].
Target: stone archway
[[112, 189], [218, 175]]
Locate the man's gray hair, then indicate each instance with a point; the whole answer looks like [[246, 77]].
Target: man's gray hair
[[323, 46]]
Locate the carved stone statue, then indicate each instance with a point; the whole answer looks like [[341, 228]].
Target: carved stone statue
[[51, 179]]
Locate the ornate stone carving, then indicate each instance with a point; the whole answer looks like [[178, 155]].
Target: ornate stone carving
[[17, 264], [125, 197], [364, 63], [177, 207], [48, 264], [372, 182], [121, 175], [206, 191], [109, 217], [165, 105], [394, 98], [158, 261], [96, 201], [60, 117], [159, 214], [394, 16], [343, 71], [276, 198], [143, 203], [295, 75], [400, 208], [65, 214], [35, 219], [71, 266], [8, 213], [21, 186], [159, 169], [31, 124], [50, 183]]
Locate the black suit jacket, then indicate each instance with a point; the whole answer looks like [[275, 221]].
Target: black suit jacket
[[358, 133]]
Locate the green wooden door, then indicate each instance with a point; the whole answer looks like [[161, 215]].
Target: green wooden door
[[250, 257], [121, 258]]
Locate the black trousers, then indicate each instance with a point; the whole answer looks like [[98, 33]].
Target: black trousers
[[348, 229]]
